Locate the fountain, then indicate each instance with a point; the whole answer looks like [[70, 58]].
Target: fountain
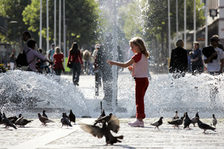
[[29, 91]]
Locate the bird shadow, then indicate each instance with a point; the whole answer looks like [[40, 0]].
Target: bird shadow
[[117, 145], [124, 146], [210, 133]]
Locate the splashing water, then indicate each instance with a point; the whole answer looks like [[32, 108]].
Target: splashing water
[[31, 91], [203, 93], [22, 90]]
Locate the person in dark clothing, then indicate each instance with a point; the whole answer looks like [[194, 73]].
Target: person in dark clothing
[[178, 62], [196, 59], [75, 59]]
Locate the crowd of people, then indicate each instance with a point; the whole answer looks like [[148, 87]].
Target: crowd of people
[[210, 59], [52, 61]]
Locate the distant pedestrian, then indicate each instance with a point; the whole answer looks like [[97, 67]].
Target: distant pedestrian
[[214, 61], [12, 60], [214, 58], [86, 58], [32, 55], [58, 59], [178, 61], [75, 60], [139, 67], [196, 59], [51, 52], [97, 70]]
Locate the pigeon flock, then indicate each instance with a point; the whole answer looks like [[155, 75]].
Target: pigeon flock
[[176, 122], [20, 121], [107, 125]]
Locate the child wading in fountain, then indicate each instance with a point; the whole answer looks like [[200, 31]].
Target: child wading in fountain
[[138, 64]]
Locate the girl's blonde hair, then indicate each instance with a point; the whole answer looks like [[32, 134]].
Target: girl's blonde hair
[[57, 50], [138, 41]]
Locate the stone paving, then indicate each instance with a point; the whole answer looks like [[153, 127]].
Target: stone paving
[[53, 136]]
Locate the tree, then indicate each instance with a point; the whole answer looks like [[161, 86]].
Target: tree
[[12, 10], [157, 22], [81, 20]]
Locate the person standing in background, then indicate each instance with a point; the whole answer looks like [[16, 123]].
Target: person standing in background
[[12, 60], [97, 70], [58, 59], [196, 59], [51, 52], [75, 59], [179, 60], [215, 61]]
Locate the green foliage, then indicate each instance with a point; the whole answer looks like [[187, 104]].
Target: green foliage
[[130, 14], [81, 19], [31, 14], [12, 10]]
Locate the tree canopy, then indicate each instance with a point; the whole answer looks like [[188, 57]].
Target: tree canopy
[[82, 18]]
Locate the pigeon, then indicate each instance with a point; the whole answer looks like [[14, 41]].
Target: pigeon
[[176, 115], [65, 120], [100, 117], [204, 126], [107, 126], [13, 118], [0, 117], [177, 122], [44, 114], [187, 121], [44, 119], [103, 119], [18, 119], [194, 120], [102, 114], [21, 121], [158, 123], [214, 120], [7, 122], [72, 117]]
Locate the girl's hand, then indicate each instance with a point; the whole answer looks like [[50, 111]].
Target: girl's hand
[[130, 68], [110, 62]]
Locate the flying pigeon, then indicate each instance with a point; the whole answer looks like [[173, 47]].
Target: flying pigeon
[[109, 123]]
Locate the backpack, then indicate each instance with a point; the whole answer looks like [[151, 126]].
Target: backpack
[[208, 51], [21, 59]]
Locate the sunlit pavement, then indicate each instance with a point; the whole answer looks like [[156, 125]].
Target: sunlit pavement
[[54, 136]]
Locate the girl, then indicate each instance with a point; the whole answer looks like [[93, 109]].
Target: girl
[[138, 64], [58, 59], [75, 59]]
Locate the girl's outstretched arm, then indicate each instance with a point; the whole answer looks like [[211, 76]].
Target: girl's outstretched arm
[[120, 64]]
